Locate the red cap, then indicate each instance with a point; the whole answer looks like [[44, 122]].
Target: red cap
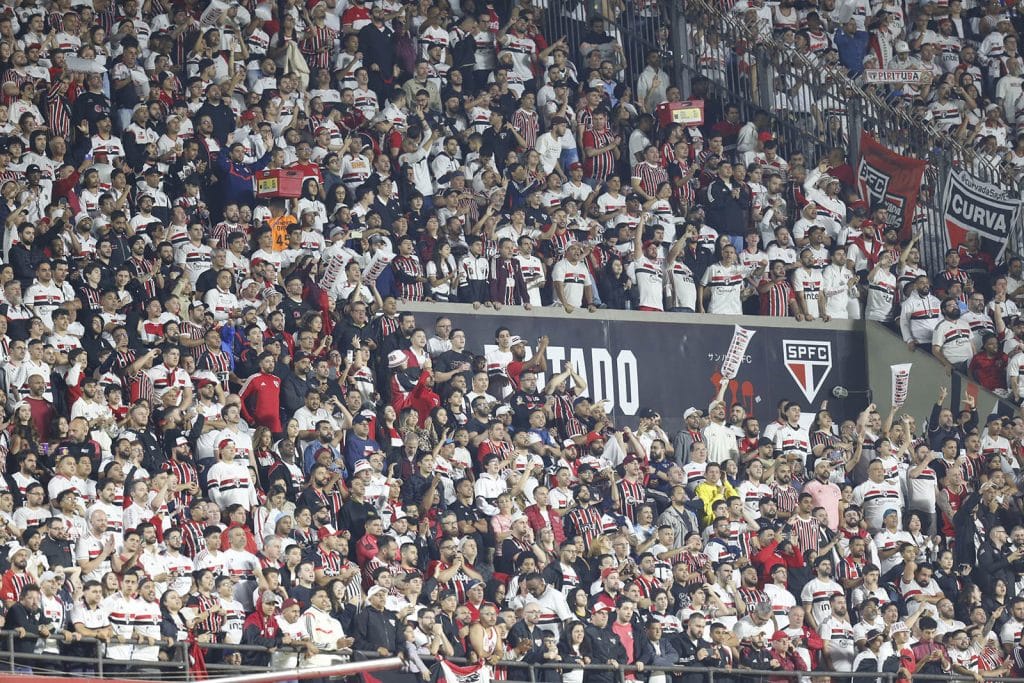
[[648, 243], [765, 136], [608, 571], [780, 635], [594, 436], [327, 530], [290, 602], [223, 443]]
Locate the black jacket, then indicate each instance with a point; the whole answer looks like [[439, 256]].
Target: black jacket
[[698, 259], [19, 617], [373, 629], [725, 213], [994, 564], [605, 647]]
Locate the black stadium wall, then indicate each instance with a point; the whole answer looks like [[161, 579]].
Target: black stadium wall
[[670, 362]]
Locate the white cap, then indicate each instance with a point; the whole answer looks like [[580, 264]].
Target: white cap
[[901, 46]]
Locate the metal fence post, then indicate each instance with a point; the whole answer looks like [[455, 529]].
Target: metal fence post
[[765, 76], [10, 648], [99, 659], [855, 125], [680, 48], [185, 658]]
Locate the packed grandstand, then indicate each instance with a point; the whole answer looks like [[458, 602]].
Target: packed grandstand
[[223, 428]]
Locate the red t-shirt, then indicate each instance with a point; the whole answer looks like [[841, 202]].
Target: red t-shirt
[[514, 369], [990, 371], [42, 416]]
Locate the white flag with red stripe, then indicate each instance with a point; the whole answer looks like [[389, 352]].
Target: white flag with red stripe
[[470, 673]]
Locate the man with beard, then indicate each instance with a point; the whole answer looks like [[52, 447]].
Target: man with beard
[[677, 515], [584, 519], [919, 314], [16, 578], [518, 365], [693, 649], [825, 493], [356, 510], [818, 594], [952, 342], [952, 274], [606, 648], [690, 434], [320, 492], [153, 562], [837, 632], [178, 566], [450, 571]]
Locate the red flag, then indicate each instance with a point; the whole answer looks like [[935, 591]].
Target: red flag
[[889, 179], [196, 659]]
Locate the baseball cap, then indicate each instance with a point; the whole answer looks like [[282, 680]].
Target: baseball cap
[[601, 606], [898, 627], [290, 602], [361, 466], [691, 411], [516, 341], [396, 358], [327, 530], [376, 589], [271, 596], [780, 635]]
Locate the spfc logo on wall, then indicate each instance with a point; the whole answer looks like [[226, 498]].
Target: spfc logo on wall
[[808, 363]]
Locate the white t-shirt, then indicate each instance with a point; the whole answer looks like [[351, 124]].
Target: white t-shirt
[[650, 282], [573, 278], [726, 285]]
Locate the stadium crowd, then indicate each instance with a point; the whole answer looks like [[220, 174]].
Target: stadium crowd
[[220, 427]]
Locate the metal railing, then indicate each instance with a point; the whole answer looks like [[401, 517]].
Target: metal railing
[[815, 106], [516, 670], [636, 28], [178, 667]]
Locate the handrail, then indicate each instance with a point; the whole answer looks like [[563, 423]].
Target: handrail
[[710, 672], [908, 122]]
